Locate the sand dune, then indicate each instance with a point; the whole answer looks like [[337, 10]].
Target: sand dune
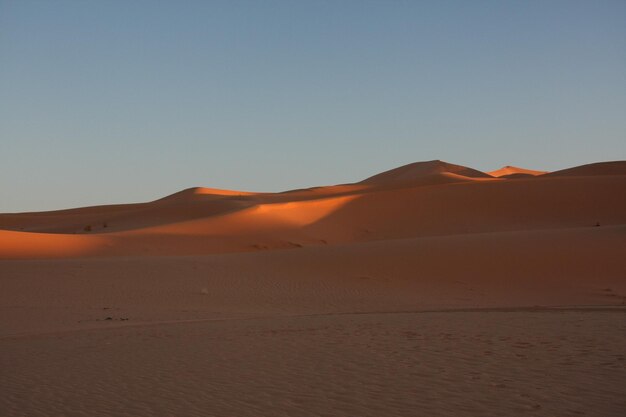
[[509, 171], [204, 221], [598, 168], [439, 225], [431, 286], [203, 194], [421, 169]]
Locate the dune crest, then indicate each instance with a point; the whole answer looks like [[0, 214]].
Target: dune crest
[[198, 193], [419, 170], [509, 171]]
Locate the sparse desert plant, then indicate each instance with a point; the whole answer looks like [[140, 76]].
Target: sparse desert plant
[[87, 228]]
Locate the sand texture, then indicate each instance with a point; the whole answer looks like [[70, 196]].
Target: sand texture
[[431, 289]]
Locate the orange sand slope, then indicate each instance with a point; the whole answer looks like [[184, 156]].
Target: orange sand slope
[[418, 200], [515, 172]]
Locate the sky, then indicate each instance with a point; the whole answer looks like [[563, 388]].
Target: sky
[[125, 101]]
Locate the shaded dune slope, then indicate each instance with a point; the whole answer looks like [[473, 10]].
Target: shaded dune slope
[[595, 169]]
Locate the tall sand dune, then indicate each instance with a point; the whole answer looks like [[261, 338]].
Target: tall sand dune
[[421, 169]]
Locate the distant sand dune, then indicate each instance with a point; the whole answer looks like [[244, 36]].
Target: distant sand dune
[[420, 169], [598, 168], [515, 172], [205, 221]]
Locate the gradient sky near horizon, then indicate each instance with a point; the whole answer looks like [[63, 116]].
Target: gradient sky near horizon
[[123, 101]]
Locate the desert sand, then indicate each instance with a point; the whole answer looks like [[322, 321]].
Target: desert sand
[[431, 289]]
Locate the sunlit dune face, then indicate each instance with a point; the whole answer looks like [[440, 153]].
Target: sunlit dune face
[[302, 213], [217, 191], [266, 218], [23, 245], [511, 170]]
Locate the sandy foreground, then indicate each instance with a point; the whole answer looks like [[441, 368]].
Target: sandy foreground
[[428, 290]]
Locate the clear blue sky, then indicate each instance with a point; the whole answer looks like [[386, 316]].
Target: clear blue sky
[[123, 101]]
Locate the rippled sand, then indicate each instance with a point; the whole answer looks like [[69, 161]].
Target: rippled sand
[[466, 363]]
